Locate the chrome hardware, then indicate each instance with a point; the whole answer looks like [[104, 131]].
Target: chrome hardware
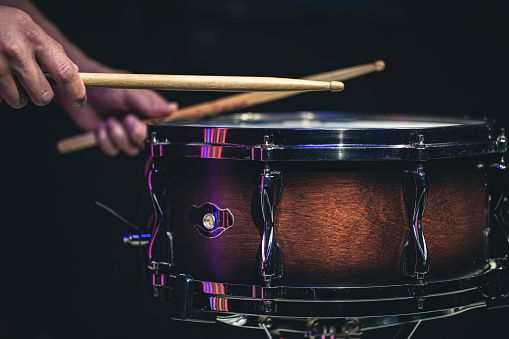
[[420, 141], [153, 137], [415, 191], [324, 136], [137, 239], [369, 306], [351, 325], [182, 300], [498, 232], [267, 141], [270, 254], [160, 251], [502, 142], [333, 328], [210, 220]]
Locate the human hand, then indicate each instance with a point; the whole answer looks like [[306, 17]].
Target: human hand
[[24, 48], [115, 115]]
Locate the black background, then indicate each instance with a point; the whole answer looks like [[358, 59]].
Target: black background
[[65, 271]]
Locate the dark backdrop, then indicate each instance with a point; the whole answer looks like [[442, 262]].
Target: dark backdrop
[[65, 271]]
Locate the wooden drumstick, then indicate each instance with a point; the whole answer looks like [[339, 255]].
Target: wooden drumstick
[[228, 104], [243, 100], [204, 83]]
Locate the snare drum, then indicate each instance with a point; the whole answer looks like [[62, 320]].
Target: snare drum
[[321, 215]]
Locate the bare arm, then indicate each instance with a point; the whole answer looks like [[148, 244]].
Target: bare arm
[[29, 42]]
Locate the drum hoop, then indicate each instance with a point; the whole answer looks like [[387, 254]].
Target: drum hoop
[[328, 302], [179, 139], [324, 152]]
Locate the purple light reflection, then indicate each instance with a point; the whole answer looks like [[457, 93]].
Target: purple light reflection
[[219, 304], [213, 288], [211, 152], [153, 148], [214, 135], [158, 279]]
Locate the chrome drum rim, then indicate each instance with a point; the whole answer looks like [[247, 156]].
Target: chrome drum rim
[[316, 136]]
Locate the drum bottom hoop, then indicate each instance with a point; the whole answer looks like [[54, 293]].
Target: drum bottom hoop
[[197, 300]]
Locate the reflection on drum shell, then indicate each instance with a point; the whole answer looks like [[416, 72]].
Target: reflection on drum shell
[[338, 223]]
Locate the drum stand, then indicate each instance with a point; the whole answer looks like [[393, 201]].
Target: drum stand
[[407, 330], [243, 306]]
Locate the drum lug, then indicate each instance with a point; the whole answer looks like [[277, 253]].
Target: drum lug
[[502, 142], [162, 253], [270, 261], [498, 185], [415, 191]]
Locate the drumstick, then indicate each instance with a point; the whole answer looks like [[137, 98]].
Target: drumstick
[[228, 104], [203, 83], [243, 100]]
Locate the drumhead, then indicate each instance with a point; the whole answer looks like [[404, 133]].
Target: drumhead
[[294, 136]]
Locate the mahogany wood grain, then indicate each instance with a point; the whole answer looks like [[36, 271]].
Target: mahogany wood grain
[[337, 224]]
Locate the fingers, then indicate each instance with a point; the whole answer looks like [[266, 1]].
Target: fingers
[[64, 72], [128, 136], [22, 71], [136, 130], [114, 137], [23, 51], [11, 90]]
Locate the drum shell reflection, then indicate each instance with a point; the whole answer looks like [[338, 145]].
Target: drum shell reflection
[[342, 219], [337, 224]]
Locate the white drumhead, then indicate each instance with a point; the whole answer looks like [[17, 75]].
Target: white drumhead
[[306, 120]]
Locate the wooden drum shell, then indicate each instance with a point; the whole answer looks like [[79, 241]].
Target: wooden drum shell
[[337, 224]]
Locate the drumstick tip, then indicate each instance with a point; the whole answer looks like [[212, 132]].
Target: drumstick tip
[[336, 86], [379, 65]]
